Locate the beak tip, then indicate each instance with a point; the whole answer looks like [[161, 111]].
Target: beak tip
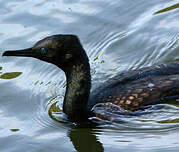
[[7, 53], [23, 53], [4, 53]]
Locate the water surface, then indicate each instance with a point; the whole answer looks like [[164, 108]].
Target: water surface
[[117, 36]]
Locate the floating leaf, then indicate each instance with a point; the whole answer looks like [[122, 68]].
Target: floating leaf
[[11, 75], [0, 68], [51, 101], [48, 83], [94, 72], [169, 121], [64, 85], [14, 130], [54, 109], [102, 61], [167, 9], [36, 82], [96, 58]]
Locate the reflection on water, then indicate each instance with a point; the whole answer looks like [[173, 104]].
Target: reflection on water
[[117, 36], [85, 139]]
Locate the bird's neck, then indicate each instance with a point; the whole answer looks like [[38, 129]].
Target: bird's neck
[[77, 91]]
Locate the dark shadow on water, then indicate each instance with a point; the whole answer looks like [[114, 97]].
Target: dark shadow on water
[[85, 140]]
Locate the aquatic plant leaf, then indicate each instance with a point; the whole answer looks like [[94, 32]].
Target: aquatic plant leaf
[[48, 83], [14, 130], [11, 75], [102, 61], [96, 58], [51, 101], [167, 9], [36, 82], [169, 121], [54, 109]]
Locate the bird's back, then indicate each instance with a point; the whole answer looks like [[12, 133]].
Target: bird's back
[[135, 89]]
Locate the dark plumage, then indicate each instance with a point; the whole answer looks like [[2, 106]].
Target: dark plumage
[[130, 90]]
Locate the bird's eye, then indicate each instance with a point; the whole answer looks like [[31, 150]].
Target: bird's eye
[[43, 50]]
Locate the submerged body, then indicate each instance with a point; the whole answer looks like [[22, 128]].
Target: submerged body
[[131, 90]]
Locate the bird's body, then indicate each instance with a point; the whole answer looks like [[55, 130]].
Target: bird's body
[[135, 89], [131, 90]]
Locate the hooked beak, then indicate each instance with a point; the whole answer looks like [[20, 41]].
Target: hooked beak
[[23, 53]]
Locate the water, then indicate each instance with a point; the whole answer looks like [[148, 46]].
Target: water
[[117, 35]]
